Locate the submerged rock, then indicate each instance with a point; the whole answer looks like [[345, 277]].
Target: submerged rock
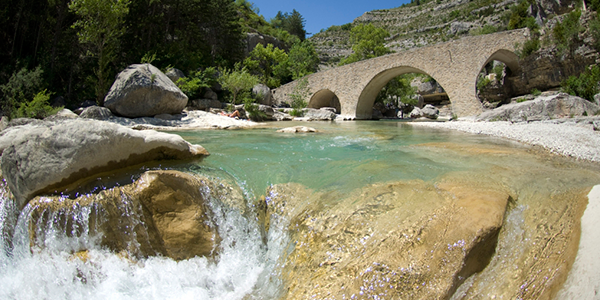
[[44, 157], [407, 240], [297, 129]]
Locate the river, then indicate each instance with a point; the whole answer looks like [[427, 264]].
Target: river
[[341, 161]]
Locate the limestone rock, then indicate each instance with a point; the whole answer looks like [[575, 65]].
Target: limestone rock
[[296, 129], [416, 113], [43, 157], [174, 208], [142, 90], [62, 115], [281, 116], [96, 113], [312, 114], [205, 104], [542, 108], [175, 74], [374, 236], [180, 213], [267, 110], [210, 94], [430, 111], [264, 94]]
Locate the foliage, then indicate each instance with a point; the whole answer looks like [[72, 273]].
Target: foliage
[[37, 108], [20, 88], [367, 41], [594, 25], [519, 17], [251, 108], [270, 62], [398, 88], [292, 23], [300, 94], [529, 47], [566, 33], [486, 29], [483, 82], [302, 60], [536, 92], [100, 27], [193, 85], [585, 85], [237, 81]]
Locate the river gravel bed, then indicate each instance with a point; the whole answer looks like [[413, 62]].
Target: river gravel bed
[[572, 137]]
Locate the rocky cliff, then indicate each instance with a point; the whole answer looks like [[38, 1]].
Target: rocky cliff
[[423, 23]]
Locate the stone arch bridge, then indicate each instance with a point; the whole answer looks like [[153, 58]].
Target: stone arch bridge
[[455, 65]]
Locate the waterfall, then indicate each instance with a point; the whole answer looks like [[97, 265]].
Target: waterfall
[[57, 254]]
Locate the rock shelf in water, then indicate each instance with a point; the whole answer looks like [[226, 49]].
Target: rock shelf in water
[[45, 156]]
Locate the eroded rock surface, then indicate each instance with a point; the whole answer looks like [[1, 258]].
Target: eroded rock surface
[[46, 156], [543, 108], [164, 213], [406, 240]]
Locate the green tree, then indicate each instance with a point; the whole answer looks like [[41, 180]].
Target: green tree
[[292, 23], [270, 62], [237, 81], [585, 85], [367, 41], [398, 88], [302, 60], [566, 33], [100, 26]]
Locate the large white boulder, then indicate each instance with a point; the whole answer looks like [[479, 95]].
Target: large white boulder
[[142, 90], [44, 157]]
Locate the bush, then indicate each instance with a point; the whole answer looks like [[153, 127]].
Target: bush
[[566, 33], [585, 85], [536, 92], [193, 85], [529, 47], [38, 108], [483, 82], [252, 110], [20, 88]]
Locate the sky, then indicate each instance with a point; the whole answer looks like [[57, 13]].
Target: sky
[[320, 14]]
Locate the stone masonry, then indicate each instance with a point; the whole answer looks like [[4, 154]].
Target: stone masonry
[[454, 65]]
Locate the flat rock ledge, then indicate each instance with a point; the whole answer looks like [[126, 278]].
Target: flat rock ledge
[[569, 137], [43, 157]]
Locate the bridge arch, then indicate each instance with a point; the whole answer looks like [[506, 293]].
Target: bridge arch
[[325, 98], [455, 65], [364, 107], [509, 58]]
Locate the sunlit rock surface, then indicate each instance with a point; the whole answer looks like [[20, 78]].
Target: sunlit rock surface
[[42, 157], [417, 240], [163, 213]]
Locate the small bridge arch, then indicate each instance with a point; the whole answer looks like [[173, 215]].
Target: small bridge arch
[[455, 65], [325, 98]]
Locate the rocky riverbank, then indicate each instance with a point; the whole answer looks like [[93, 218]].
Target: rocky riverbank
[[574, 137]]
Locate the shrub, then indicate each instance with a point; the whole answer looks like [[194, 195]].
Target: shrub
[[566, 33], [193, 85], [252, 110], [300, 94], [529, 47], [585, 85], [483, 82], [20, 88], [536, 92], [38, 108]]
